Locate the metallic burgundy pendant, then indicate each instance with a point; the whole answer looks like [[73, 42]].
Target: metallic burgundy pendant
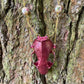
[[42, 48]]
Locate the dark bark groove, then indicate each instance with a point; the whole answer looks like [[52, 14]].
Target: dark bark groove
[[77, 24], [0, 56], [4, 12], [75, 40], [40, 8], [42, 31]]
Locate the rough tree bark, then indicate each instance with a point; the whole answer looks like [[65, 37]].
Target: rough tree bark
[[15, 52]]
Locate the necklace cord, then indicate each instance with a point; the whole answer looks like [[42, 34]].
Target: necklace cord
[[55, 33], [56, 25], [28, 23], [31, 28], [24, 3]]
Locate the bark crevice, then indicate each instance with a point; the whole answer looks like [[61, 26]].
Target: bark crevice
[[68, 54], [77, 24], [74, 42], [5, 10], [68, 6], [40, 13]]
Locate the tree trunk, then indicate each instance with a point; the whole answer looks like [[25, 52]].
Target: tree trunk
[[15, 39]]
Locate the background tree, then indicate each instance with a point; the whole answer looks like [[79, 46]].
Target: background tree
[[15, 53]]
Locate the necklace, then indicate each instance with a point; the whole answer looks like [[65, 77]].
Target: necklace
[[42, 45]]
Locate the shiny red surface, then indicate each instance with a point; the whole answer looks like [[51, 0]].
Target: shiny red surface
[[42, 47]]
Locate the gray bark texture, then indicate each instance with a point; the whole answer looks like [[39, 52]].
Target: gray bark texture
[[15, 53]]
